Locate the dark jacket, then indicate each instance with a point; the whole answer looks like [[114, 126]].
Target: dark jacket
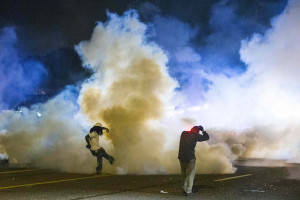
[[188, 141]]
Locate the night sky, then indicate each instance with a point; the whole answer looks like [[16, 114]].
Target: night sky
[[47, 31], [48, 25]]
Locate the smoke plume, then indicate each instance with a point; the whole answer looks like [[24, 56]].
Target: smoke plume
[[248, 115], [46, 135], [19, 77], [264, 99], [128, 92]]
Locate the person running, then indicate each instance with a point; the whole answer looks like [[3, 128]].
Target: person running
[[92, 140]]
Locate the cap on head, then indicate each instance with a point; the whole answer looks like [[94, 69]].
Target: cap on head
[[98, 124], [195, 129]]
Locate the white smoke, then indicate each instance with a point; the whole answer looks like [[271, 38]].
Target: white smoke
[[250, 115], [46, 135], [131, 92], [264, 99]]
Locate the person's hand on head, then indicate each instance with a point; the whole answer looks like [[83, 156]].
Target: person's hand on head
[[201, 128]]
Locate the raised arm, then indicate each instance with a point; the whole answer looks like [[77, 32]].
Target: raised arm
[[203, 137], [106, 129]]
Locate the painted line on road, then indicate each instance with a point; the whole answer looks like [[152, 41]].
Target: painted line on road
[[234, 177], [17, 171], [58, 181]]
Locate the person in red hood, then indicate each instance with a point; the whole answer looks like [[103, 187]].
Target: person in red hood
[[186, 156]]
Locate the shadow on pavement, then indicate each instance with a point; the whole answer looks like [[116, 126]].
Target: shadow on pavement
[[197, 188]]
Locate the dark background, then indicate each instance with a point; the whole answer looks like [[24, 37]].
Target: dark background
[[47, 31]]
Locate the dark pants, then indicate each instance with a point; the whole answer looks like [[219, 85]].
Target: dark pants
[[99, 154]]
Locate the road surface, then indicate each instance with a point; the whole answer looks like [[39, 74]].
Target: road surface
[[247, 183]]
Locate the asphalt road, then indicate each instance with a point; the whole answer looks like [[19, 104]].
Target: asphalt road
[[247, 183]]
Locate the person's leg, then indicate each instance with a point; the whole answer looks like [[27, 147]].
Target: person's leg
[[103, 153], [183, 166], [99, 161], [99, 164], [190, 174]]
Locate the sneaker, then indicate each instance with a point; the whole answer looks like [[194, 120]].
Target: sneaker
[[111, 160], [98, 170], [190, 194]]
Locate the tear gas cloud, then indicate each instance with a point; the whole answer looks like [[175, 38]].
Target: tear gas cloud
[[15, 72], [250, 114], [51, 139], [263, 99]]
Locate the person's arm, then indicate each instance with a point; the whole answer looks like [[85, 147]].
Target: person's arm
[[87, 139], [204, 135], [106, 129]]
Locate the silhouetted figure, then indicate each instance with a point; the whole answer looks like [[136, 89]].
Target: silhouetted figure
[[93, 145], [186, 156]]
